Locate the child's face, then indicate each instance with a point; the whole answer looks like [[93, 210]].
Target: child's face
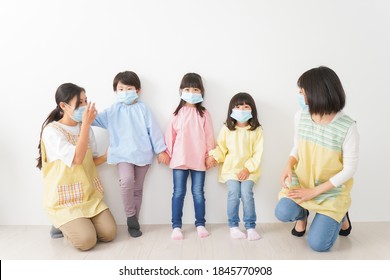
[[192, 90], [122, 87], [243, 107]]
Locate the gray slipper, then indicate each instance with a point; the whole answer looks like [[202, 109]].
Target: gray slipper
[[133, 226], [55, 233]]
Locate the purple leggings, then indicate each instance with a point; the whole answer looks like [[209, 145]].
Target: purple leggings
[[131, 182]]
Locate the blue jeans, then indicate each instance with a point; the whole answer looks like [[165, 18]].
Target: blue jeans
[[179, 192], [323, 231], [241, 190]]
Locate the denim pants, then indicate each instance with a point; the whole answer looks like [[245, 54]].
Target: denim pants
[[241, 191], [180, 177], [323, 231]]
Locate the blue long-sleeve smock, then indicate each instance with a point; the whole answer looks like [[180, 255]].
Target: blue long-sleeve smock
[[134, 133]]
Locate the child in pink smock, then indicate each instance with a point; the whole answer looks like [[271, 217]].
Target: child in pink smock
[[189, 138]]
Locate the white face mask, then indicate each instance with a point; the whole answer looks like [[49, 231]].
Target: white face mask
[[127, 97], [77, 114], [241, 116], [301, 101], [192, 98]]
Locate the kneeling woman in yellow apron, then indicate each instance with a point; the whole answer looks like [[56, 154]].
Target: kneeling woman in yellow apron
[[73, 196]]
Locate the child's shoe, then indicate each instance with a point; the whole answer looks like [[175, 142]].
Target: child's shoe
[[133, 226]]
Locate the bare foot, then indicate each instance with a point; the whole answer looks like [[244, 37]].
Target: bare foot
[[345, 224], [300, 225]]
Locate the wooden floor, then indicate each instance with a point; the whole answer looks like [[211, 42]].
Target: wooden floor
[[368, 241]]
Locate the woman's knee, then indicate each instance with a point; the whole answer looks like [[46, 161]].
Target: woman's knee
[[318, 244], [108, 233], [323, 233], [105, 226], [283, 210], [84, 241]]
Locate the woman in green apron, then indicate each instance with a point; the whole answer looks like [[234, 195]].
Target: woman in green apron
[[318, 176]]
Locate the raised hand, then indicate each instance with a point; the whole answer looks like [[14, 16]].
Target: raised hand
[[89, 114]]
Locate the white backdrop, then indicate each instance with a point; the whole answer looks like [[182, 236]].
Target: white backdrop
[[260, 47]]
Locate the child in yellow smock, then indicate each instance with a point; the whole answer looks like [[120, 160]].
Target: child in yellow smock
[[239, 150]]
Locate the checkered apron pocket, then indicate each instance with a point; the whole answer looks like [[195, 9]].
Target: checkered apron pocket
[[70, 195]]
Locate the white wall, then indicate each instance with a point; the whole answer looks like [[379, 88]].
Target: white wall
[[261, 47]]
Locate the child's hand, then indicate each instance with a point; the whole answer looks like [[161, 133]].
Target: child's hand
[[163, 158], [106, 154], [243, 175], [210, 162]]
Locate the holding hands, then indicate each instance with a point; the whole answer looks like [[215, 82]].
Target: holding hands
[[163, 158], [210, 162]]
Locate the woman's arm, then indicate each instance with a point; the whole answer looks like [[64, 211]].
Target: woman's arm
[[350, 157], [287, 173], [350, 160], [82, 144]]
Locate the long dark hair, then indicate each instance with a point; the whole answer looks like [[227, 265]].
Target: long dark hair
[[323, 89], [195, 81], [242, 98], [65, 93]]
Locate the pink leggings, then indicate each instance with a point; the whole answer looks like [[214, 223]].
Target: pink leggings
[[131, 181]]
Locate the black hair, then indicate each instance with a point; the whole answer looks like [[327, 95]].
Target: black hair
[[195, 81], [323, 89], [128, 78], [65, 93], [242, 98]]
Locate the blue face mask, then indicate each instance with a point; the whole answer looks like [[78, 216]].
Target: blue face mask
[[127, 97], [77, 115], [301, 101], [241, 116], [192, 98]]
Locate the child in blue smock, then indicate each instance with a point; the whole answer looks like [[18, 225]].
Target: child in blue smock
[[135, 137]]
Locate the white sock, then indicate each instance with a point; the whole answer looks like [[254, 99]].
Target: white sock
[[177, 234], [253, 235], [202, 231], [236, 233]]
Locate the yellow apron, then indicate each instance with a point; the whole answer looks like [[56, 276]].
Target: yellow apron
[[320, 158], [71, 193]]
